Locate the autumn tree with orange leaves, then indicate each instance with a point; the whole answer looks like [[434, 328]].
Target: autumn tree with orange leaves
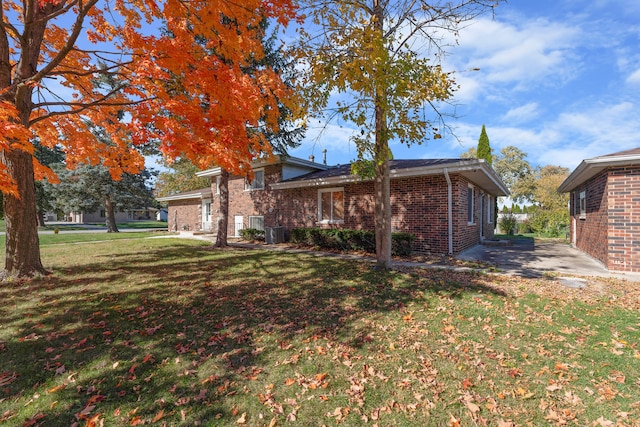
[[183, 88]]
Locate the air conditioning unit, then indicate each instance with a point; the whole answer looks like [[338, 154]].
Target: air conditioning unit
[[274, 235]]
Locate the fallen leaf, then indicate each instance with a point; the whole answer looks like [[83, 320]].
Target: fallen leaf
[[56, 388], [158, 416], [472, 407], [242, 419]]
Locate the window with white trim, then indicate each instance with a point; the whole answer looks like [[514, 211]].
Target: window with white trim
[[470, 203], [489, 209], [583, 204], [257, 183], [256, 222], [331, 205]]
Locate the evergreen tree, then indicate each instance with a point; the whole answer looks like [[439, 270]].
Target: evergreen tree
[[90, 188], [484, 149]]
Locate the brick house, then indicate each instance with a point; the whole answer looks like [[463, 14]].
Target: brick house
[[447, 204], [604, 206]]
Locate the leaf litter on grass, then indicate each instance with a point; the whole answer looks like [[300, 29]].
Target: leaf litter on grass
[[190, 335]]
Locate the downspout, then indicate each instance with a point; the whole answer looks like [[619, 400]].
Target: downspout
[[449, 210]]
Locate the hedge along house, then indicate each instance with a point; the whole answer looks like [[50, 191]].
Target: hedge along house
[[604, 206], [447, 204]]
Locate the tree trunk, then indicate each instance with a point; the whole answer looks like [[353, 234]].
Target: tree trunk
[[382, 188], [110, 215], [223, 221], [40, 218], [22, 256], [381, 157]]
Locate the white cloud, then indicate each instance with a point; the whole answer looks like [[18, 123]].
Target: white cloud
[[523, 113], [634, 78], [517, 54], [332, 137]]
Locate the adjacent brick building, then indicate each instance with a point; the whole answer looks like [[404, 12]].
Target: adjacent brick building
[[447, 204], [604, 207]]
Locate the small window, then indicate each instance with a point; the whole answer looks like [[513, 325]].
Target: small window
[[331, 205], [470, 204], [489, 209], [583, 205], [256, 222], [257, 183]]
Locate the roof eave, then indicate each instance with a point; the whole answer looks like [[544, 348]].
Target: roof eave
[[589, 168], [203, 195]]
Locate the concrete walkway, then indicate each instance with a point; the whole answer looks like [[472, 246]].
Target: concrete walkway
[[523, 258], [527, 258]]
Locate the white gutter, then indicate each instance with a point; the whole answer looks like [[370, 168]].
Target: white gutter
[[449, 210]]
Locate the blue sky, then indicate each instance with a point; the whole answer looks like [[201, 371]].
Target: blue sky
[[559, 79]]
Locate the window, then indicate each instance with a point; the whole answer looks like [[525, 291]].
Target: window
[[583, 205], [470, 204], [256, 222], [258, 181], [331, 205], [489, 209]]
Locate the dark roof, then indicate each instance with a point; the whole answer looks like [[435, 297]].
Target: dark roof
[[631, 152], [395, 165]]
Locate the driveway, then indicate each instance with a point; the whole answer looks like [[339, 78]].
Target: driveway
[[527, 258]]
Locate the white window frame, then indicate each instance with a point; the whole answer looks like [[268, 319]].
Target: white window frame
[[489, 209], [253, 218], [253, 185], [582, 204], [330, 190], [471, 204]]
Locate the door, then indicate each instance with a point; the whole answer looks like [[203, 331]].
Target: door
[[238, 224], [207, 220]]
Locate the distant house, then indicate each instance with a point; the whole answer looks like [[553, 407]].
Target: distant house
[[604, 206], [100, 216], [447, 204]]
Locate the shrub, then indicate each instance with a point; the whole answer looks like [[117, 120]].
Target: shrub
[[524, 227], [349, 240], [550, 223], [252, 234], [508, 223]]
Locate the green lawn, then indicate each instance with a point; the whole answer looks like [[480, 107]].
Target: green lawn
[[173, 332], [62, 237]]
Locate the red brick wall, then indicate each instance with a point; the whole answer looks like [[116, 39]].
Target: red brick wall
[[185, 215], [419, 207], [247, 203], [611, 230], [591, 231], [624, 219]]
